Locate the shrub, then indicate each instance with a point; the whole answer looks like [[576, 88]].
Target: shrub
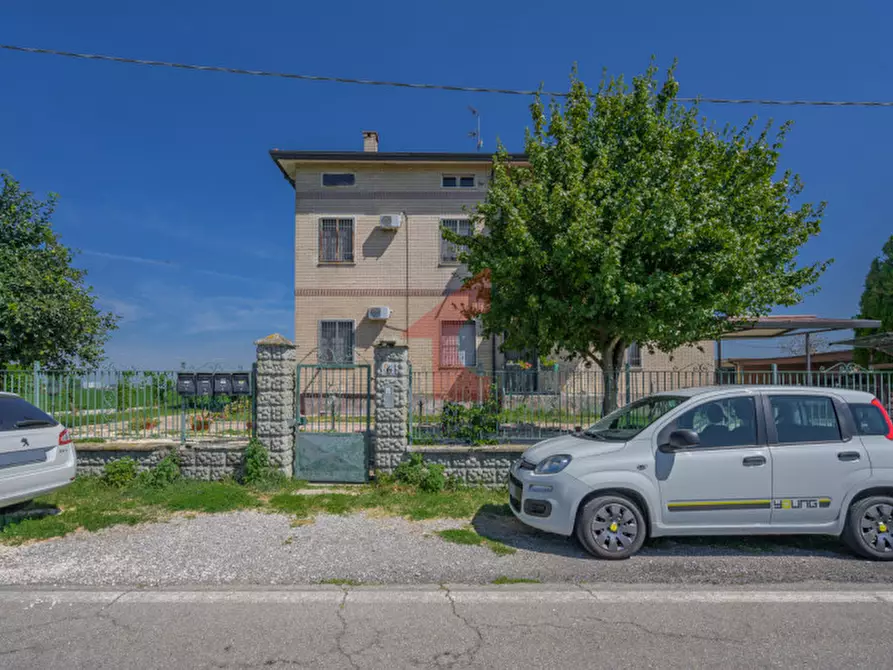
[[434, 480], [165, 473], [428, 477], [256, 468], [120, 472], [475, 422]]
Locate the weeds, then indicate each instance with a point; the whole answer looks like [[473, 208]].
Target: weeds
[[119, 472], [469, 536], [502, 579], [342, 582]]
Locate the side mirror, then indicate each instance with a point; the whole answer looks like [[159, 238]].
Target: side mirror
[[683, 438]]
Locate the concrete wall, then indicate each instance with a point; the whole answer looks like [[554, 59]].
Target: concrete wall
[[208, 460], [486, 466]]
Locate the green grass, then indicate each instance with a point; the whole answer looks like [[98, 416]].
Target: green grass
[[469, 536], [502, 579], [342, 582], [461, 536], [91, 504], [209, 497]]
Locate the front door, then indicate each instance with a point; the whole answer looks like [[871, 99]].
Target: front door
[[725, 481], [814, 464]]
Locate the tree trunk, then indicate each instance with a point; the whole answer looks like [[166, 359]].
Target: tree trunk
[[612, 365]]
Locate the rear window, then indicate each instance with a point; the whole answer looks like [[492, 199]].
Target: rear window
[[18, 414], [869, 420]]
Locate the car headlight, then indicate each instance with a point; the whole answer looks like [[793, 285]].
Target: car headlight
[[552, 464]]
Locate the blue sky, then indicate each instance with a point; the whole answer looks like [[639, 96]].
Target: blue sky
[[186, 224]]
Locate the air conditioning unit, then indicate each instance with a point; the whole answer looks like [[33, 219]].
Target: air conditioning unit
[[379, 313], [390, 221]]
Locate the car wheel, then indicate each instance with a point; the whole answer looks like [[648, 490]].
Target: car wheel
[[869, 528], [611, 527]]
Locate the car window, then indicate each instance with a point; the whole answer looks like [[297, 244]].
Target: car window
[[804, 418], [627, 422], [18, 414], [869, 419], [727, 422]]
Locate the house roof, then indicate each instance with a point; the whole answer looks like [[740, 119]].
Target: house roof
[[285, 159]]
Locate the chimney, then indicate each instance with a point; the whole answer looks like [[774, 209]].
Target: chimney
[[370, 140]]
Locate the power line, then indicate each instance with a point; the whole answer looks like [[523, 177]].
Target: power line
[[437, 87]]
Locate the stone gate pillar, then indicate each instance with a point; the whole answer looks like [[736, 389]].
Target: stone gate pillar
[[275, 398], [391, 405]]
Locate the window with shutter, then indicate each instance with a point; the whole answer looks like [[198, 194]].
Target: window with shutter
[[458, 344]]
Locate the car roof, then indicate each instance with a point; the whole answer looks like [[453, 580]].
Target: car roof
[[848, 395]]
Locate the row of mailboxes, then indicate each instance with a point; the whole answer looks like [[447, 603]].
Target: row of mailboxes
[[218, 383]]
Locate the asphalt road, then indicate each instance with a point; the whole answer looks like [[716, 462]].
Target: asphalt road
[[548, 626]]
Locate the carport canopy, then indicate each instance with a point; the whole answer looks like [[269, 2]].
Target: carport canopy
[[788, 326]]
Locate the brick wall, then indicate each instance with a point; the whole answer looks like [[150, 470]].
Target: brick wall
[[398, 269]]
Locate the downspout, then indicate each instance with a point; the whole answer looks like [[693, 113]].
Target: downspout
[[406, 291]]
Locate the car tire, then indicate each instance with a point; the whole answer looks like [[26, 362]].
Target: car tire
[[869, 528], [611, 527]]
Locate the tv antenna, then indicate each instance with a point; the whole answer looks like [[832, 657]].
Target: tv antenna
[[476, 134]]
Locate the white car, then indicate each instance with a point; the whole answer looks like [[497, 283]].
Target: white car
[[728, 460], [36, 452]]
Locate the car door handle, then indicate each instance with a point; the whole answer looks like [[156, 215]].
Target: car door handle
[[753, 461], [848, 456]]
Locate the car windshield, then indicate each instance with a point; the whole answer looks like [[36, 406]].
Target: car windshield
[[629, 421]]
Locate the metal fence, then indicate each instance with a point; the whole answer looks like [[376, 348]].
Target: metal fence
[[334, 398], [466, 406], [107, 405]]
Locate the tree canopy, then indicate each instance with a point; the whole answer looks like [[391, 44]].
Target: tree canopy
[[47, 313], [877, 303], [635, 220]]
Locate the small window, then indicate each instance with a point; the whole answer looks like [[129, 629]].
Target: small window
[[458, 344], [336, 342], [458, 181], [336, 240], [338, 178], [634, 355], [804, 419], [449, 252], [728, 422], [18, 414], [869, 419]]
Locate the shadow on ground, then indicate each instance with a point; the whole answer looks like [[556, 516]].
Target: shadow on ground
[[25, 511], [496, 522]]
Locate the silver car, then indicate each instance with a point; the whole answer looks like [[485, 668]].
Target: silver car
[[743, 460]]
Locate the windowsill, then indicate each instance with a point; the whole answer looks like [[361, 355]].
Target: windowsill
[[335, 263]]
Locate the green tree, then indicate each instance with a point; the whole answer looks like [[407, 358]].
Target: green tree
[[636, 220], [877, 303], [47, 313]]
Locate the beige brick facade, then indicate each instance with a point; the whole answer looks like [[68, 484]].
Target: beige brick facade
[[399, 269]]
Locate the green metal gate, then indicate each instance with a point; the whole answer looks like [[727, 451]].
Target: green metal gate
[[334, 408]]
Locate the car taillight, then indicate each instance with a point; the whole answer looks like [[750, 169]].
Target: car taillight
[[64, 437], [877, 403]]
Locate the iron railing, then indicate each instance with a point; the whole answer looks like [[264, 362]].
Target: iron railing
[[466, 405], [110, 405]]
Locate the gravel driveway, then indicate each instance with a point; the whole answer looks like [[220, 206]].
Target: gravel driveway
[[261, 548]]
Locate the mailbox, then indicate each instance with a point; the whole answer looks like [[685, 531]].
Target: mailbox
[[204, 383], [186, 383], [241, 383], [223, 383]]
